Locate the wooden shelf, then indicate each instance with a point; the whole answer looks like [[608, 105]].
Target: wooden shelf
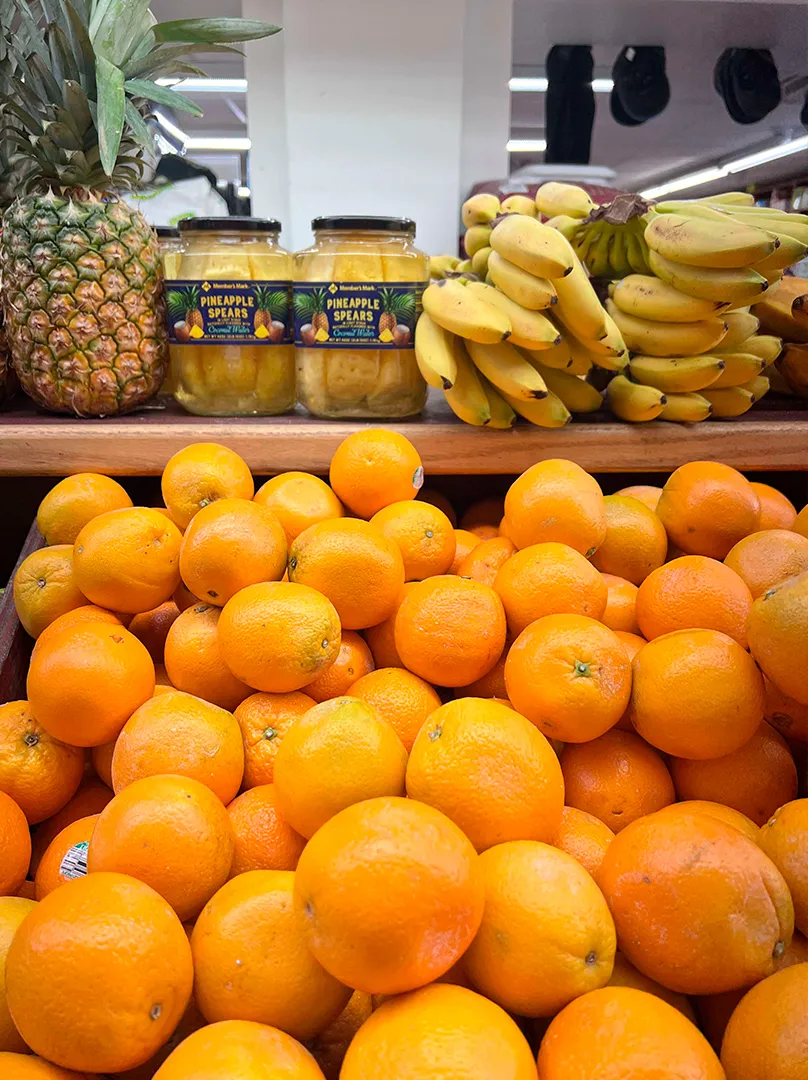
[[34, 443]]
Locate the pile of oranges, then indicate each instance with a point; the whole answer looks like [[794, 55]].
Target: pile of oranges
[[309, 782]]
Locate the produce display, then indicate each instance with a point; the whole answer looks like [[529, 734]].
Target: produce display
[[695, 307], [339, 781]]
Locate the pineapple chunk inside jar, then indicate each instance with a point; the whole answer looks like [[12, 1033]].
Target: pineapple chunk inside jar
[[357, 297], [230, 319]]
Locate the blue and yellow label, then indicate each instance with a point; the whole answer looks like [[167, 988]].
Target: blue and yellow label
[[356, 314], [229, 312]]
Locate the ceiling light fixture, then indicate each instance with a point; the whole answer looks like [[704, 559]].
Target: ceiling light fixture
[[206, 86], [525, 146], [538, 85], [736, 165], [243, 192], [204, 142]]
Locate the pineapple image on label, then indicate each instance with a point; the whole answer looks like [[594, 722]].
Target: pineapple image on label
[[272, 313], [395, 322], [310, 310], [183, 308]]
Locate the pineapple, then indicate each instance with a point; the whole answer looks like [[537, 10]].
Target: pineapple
[[272, 313], [183, 308], [311, 306], [82, 283]]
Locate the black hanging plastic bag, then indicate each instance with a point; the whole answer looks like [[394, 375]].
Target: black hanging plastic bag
[[570, 105]]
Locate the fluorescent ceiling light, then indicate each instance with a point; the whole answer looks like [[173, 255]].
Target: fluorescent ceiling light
[[751, 161], [538, 85], [705, 176], [525, 146], [191, 142], [206, 86], [603, 86], [170, 127], [736, 165]]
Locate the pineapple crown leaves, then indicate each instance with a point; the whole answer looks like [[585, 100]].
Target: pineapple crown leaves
[[402, 305], [275, 301], [181, 301], [309, 303], [78, 77]]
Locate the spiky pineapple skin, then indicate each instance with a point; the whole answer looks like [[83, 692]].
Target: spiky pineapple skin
[[8, 379], [83, 300]]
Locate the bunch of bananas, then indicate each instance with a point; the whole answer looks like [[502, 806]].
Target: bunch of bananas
[[784, 312]]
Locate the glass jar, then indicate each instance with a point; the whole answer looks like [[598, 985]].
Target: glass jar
[[357, 298], [229, 319], [169, 246]]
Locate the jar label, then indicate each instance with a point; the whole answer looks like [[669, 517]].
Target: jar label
[[357, 314], [229, 312]]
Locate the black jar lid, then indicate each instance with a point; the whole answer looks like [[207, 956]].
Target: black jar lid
[[363, 223], [230, 224], [167, 232]]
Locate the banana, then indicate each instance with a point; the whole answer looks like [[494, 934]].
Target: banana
[[718, 245], [435, 353], [633, 401], [759, 212], [480, 210], [688, 408], [463, 267], [566, 225], [732, 401], [726, 286], [478, 236], [740, 326], [766, 346], [577, 394], [792, 365], [460, 312], [689, 208], [547, 412], [776, 381], [529, 329], [554, 198], [479, 261], [441, 265], [777, 315], [502, 415], [647, 297], [739, 368], [519, 204], [609, 352], [667, 339], [557, 356], [732, 198], [534, 247], [597, 251], [793, 225], [636, 248], [789, 252], [508, 370], [466, 397], [578, 306], [535, 294], [581, 361], [758, 387], [680, 374]]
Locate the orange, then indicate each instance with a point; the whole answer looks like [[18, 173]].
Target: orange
[[707, 508], [632, 643], [298, 500], [484, 561], [86, 613], [264, 719], [192, 1020], [73, 502], [617, 778], [250, 924], [381, 639], [644, 493], [400, 698], [584, 837], [570, 676], [181, 734], [151, 627], [99, 974], [101, 756], [201, 474], [488, 511], [546, 935], [45, 588], [354, 660], [303, 640], [331, 1045], [239, 1048], [13, 910], [40, 773], [697, 906], [87, 681], [696, 694], [788, 716], [718, 811], [352, 563], [489, 771], [625, 974], [391, 893], [25, 1066], [474, 1040], [170, 832], [162, 683], [636, 542], [184, 598], [450, 631], [694, 592], [767, 1035], [492, 684], [485, 532], [801, 522], [776, 511], [341, 752], [777, 637], [764, 559], [194, 662], [422, 533], [231, 544], [465, 543], [437, 498], [621, 602], [784, 838], [556, 501], [755, 779], [373, 468], [91, 798], [626, 1033], [264, 841], [549, 579], [66, 857], [128, 560]]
